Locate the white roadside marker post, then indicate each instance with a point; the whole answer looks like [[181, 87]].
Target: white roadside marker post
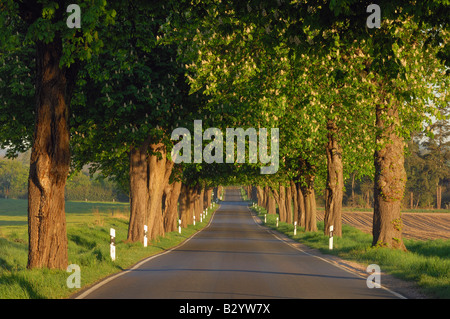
[[277, 222], [265, 218], [330, 242], [112, 245], [295, 228], [194, 220], [179, 226], [145, 235]]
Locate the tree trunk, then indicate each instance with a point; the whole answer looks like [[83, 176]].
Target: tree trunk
[[353, 183], [310, 205], [288, 205], [220, 191], [276, 196], [301, 205], [215, 193], [50, 159], [295, 201], [335, 183], [267, 194], [254, 194], [201, 200], [184, 205], [438, 196], [198, 207], [171, 209], [208, 197], [159, 170], [390, 179], [138, 193], [196, 198], [282, 203], [271, 205], [190, 205], [411, 202], [260, 195]]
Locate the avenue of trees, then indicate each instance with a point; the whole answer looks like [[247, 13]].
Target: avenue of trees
[[347, 100]]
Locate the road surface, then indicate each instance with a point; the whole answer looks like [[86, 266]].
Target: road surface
[[235, 258]]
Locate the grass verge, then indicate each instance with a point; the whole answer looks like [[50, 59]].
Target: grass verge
[[426, 262], [88, 226]]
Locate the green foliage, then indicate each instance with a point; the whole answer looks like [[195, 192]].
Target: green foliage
[[296, 66], [133, 91], [17, 98], [13, 179]]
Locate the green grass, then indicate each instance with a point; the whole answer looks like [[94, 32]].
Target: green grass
[[426, 262], [88, 226]]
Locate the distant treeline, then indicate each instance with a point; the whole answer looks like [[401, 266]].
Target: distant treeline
[[14, 183], [427, 165]]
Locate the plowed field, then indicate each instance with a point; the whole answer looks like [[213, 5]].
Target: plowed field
[[420, 226]]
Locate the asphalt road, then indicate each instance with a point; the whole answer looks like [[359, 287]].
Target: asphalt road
[[235, 258]]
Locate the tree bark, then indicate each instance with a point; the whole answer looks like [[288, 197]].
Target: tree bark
[[220, 191], [198, 202], [353, 187], [190, 204], [289, 205], [438, 196], [390, 179], [171, 207], [50, 159], [266, 197], [335, 183], [281, 201], [187, 205], [215, 193], [271, 205], [201, 200], [159, 170], [301, 205], [310, 204], [138, 193], [411, 203], [260, 195], [184, 205], [208, 197], [295, 202], [277, 195]]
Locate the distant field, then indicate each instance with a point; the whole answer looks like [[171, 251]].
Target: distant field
[[417, 225], [13, 214]]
